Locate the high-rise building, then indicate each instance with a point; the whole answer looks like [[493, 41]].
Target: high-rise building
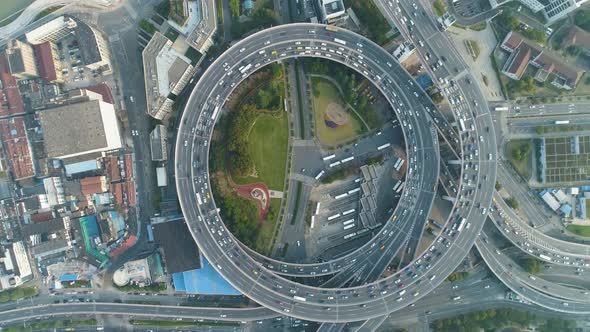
[[21, 59]]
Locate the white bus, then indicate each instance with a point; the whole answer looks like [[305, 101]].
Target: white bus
[[215, 111], [558, 122], [348, 222], [317, 177], [354, 190], [340, 41], [401, 187], [199, 200], [333, 217], [299, 298], [501, 108], [317, 208], [462, 124], [348, 212], [340, 196], [347, 159], [246, 68], [347, 227], [545, 257], [348, 236], [398, 167], [384, 146], [398, 183], [312, 221], [461, 225], [332, 156], [335, 163]]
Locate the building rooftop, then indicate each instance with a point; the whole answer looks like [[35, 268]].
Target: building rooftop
[[158, 142], [79, 129], [13, 103], [16, 147], [45, 62], [88, 44], [164, 69], [180, 250], [525, 52]]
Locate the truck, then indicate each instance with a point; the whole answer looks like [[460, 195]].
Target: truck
[[317, 177], [340, 41], [462, 125], [461, 225], [384, 146], [245, 68], [545, 257]]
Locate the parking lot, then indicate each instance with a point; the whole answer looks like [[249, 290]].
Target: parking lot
[[74, 73]]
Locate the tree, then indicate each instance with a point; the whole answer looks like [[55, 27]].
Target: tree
[[573, 50], [234, 5], [507, 20], [439, 7], [512, 202], [582, 19], [530, 265], [498, 185]]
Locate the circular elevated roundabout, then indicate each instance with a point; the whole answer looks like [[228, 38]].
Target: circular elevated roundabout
[[262, 278]]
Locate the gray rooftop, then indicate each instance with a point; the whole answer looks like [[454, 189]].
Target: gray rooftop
[[72, 129], [88, 44]]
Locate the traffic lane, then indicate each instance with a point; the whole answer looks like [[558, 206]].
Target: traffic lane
[[522, 289]]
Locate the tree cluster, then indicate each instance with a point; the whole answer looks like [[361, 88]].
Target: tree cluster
[[530, 265], [17, 293], [237, 144], [489, 320], [582, 19], [457, 276], [522, 152], [512, 202]]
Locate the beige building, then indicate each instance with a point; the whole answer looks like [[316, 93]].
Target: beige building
[[166, 73], [21, 59]]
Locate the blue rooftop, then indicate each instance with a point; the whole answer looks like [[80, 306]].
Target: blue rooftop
[[203, 281]]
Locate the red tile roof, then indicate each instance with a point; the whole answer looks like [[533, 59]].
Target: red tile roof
[[130, 192], [46, 64], [14, 103], [128, 166], [113, 168], [512, 40], [92, 185], [16, 147], [118, 194], [42, 216], [104, 90]]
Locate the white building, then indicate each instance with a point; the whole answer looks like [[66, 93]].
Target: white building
[[551, 201], [553, 10], [92, 128], [165, 72], [330, 10], [52, 31]]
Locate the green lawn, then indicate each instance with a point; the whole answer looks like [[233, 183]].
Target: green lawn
[[524, 166], [326, 135], [265, 232], [267, 143], [579, 230]]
